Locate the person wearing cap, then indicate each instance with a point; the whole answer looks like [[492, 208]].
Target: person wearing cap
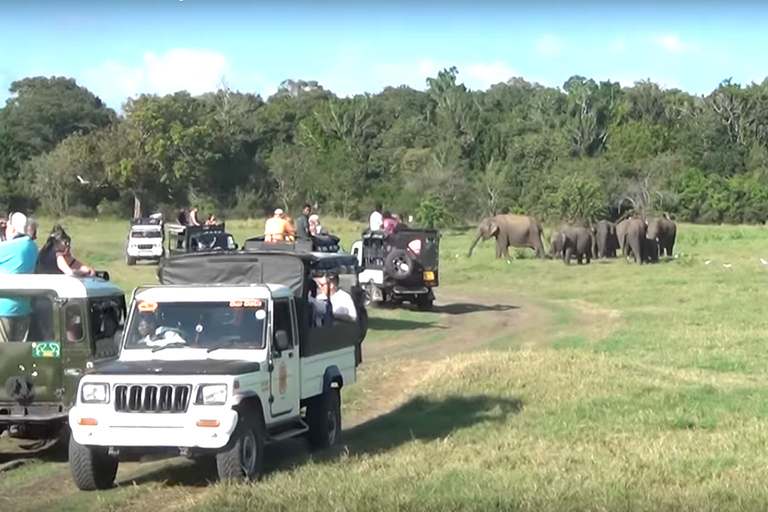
[[277, 228], [18, 255]]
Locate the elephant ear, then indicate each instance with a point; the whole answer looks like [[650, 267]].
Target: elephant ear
[[493, 228]]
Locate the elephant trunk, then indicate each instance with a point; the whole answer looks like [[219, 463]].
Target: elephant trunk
[[472, 247]]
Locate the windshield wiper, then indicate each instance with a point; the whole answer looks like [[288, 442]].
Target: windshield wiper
[[226, 344], [174, 344]]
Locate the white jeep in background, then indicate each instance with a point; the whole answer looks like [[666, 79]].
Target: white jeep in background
[[146, 238], [218, 370]]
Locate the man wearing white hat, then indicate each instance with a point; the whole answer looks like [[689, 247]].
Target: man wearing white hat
[[18, 255], [277, 228]]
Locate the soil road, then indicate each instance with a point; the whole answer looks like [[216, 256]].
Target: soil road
[[397, 355]]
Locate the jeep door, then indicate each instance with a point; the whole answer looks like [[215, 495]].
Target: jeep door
[[30, 368], [285, 378], [89, 328]]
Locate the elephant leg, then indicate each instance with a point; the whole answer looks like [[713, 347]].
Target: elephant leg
[[588, 258], [637, 249], [499, 250], [567, 256]]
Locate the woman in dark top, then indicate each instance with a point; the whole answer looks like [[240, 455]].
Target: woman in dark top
[[55, 256]]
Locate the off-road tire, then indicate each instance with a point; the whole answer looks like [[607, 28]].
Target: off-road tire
[[92, 468], [243, 457], [424, 302], [393, 270], [130, 261], [324, 419]]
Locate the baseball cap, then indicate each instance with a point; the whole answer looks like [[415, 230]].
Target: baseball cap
[[279, 211], [18, 221]]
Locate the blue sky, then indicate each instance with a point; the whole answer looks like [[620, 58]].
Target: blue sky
[[122, 48]]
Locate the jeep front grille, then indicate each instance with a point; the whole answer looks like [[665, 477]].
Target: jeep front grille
[[145, 246], [152, 398]]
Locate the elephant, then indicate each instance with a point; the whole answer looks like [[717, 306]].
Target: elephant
[[664, 231], [631, 234], [511, 230], [606, 240], [651, 248], [577, 241], [556, 245]]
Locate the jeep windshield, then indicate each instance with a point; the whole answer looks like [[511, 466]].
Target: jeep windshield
[[237, 324], [147, 234]]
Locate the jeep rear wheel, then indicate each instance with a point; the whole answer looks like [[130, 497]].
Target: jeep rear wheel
[[243, 458], [92, 468], [424, 302], [325, 419]]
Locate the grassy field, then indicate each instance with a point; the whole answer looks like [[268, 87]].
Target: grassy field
[[532, 386]]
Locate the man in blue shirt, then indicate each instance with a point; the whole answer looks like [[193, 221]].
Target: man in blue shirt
[[18, 255]]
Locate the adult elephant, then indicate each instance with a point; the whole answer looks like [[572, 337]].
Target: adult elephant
[[577, 241], [510, 230], [664, 231], [606, 239], [631, 234]]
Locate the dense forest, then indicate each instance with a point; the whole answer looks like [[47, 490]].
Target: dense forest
[[586, 150]]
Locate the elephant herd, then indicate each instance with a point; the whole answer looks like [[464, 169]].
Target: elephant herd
[[642, 239]]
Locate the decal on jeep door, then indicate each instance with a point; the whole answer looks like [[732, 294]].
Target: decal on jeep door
[[282, 378], [46, 349]]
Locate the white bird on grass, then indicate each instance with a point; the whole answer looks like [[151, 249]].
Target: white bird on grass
[[82, 181]]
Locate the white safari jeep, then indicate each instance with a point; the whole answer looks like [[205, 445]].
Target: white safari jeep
[[218, 370], [145, 240]]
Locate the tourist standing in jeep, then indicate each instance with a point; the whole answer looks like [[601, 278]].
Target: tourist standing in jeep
[[18, 255]]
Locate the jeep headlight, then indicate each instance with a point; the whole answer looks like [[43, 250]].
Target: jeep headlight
[[212, 394], [95, 393]]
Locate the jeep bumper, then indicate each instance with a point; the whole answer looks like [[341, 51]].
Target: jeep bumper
[[102, 426]]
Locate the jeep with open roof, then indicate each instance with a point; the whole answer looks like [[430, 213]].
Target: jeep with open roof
[[72, 329], [187, 239], [220, 358], [399, 267]]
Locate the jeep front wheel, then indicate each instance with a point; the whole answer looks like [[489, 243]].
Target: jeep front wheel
[[92, 468], [325, 419], [244, 456]]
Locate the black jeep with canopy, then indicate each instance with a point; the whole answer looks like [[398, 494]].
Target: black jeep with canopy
[[188, 239], [400, 266], [294, 269]]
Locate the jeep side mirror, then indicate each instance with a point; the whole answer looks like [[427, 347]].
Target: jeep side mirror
[[281, 341]]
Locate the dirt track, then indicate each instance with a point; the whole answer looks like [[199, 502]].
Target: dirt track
[[392, 366]]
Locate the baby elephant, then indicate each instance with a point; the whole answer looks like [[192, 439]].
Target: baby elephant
[[578, 242]]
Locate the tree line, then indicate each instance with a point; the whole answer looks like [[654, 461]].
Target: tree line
[[587, 150]]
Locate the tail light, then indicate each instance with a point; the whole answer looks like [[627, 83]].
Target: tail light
[[415, 246]]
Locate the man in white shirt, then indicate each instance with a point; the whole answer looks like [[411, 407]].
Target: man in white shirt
[[376, 220], [341, 302]]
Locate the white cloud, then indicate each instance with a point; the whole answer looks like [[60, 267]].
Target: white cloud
[[549, 46], [619, 45], [482, 76], [196, 71], [671, 43]]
